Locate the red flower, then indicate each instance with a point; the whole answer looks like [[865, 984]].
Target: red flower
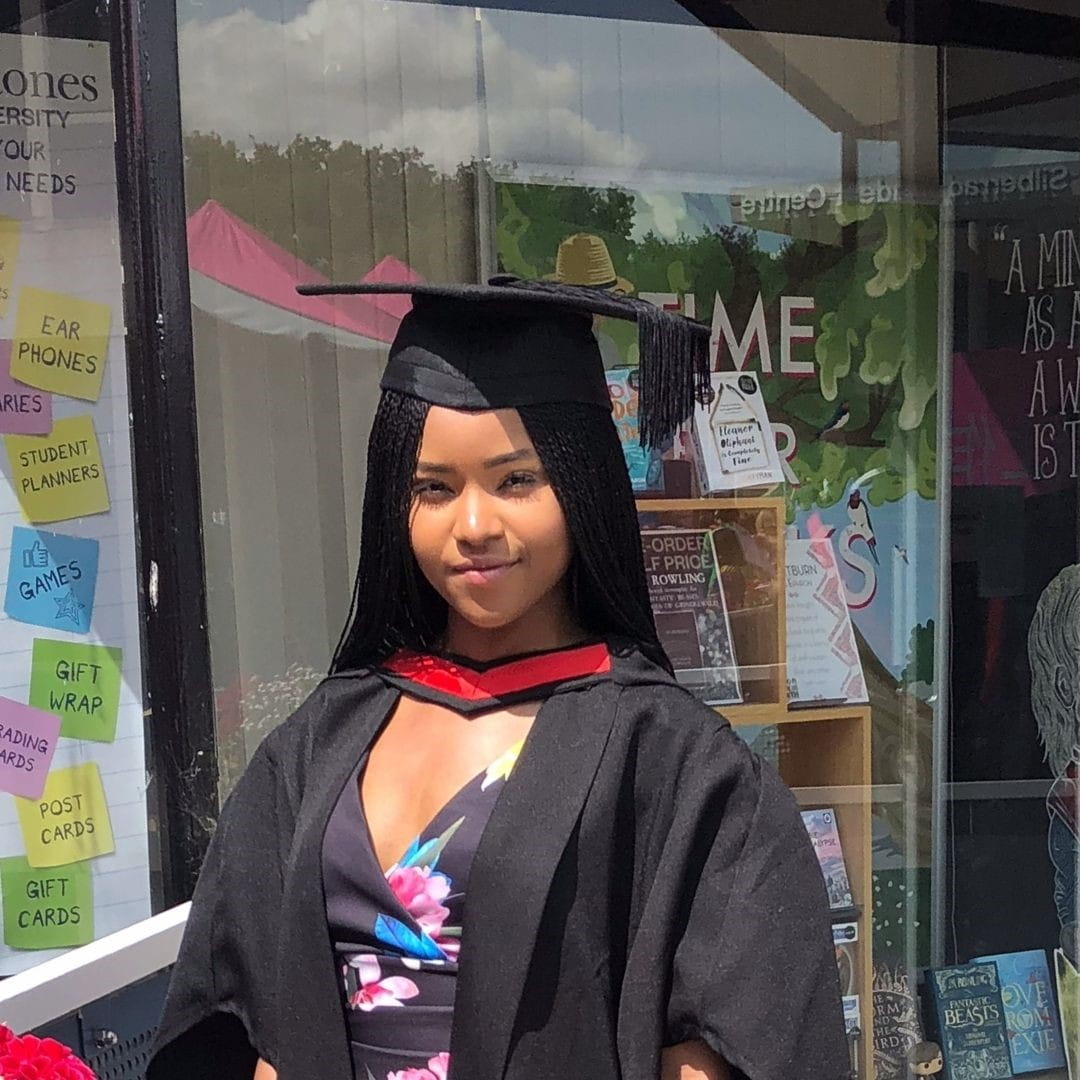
[[26, 1057]]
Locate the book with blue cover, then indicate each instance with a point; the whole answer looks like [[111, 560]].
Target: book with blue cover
[[824, 835], [1031, 1016], [970, 1021]]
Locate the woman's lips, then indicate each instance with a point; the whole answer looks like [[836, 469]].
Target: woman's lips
[[482, 573]]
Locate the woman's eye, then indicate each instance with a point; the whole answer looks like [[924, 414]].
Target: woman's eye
[[429, 489], [519, 481]]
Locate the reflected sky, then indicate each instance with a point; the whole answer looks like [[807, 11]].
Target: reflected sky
[[643, 104]]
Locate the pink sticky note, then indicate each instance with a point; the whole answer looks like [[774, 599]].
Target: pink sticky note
[[23, 409], [27, 744]]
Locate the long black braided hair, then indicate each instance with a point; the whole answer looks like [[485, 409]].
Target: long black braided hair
[[394, 606]]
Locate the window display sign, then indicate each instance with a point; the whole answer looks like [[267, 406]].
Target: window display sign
[[73, 828]]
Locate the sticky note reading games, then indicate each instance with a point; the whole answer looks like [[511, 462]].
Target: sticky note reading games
[[27, 744], [46, 909], [80, 683], [59, 475], [9, 255], [60, 343], [70, 822], [51, 580]]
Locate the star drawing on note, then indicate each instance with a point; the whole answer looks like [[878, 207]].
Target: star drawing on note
[[70, 607]]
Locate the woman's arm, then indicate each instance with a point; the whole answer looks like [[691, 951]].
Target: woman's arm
[[687, 1061], [264, 1071]]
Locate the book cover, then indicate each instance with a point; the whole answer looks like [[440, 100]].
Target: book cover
[[822, 659], [970, 1019], [824, 835], [1031, 1018], [845, 935], [897, 1027], [734, 442], [690, 610], [646, 467]]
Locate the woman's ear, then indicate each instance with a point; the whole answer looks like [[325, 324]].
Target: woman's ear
[[1065, 685]]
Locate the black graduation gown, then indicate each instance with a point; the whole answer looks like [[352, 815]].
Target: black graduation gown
[[643, 880]]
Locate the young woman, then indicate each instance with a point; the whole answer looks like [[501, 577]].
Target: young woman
[[500, 841]]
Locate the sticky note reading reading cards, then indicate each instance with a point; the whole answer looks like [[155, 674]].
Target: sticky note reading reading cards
[[60, 475], [70, 822], [60, 343], [46, 909], [27, 744], [80, 683], [52, 579]]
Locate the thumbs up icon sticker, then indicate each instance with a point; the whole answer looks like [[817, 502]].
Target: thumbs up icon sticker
[[35, 556]]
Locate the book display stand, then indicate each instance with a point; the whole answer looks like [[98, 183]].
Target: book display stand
[[821, 751]]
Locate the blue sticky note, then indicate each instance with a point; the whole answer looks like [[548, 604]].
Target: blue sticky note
[[51, 580]]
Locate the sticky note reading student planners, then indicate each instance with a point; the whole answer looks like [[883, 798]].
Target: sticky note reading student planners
[[80, 684], [46, 909], [52, 579], [60, 343], [70, 822], [9, 256], [27, 744], [59, 475]]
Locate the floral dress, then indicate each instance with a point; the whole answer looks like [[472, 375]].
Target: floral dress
[[397, 936]]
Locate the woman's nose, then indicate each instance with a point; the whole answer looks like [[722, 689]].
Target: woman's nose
[[477, 522]]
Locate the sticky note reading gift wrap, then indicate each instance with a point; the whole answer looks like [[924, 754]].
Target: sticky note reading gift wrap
[[70, 822], [46, 909], [60, 343], [59, 475], [80, 684]]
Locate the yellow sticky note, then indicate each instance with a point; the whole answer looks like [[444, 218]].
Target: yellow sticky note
[[9, 256], [59, 475], [60, 343], [70, 822]]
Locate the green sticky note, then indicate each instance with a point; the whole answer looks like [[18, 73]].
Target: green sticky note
[[46, 909], [80, 684]]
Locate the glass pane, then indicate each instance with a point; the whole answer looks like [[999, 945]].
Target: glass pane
[[74, 854], [783, 189], [1012, 162]]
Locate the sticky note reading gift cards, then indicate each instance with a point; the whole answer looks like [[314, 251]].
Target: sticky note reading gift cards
[[59, 475], [46, 909], [60, 343], [70, 822], [80, 684]]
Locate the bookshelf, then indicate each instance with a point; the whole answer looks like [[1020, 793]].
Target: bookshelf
[[823, 753]]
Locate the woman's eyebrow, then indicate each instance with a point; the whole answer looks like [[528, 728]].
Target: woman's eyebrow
[[506, 459]]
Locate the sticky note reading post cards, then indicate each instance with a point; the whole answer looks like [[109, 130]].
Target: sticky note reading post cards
[[80, 683], [51, 580], [70, 822], [46, 909], [60, 343], [27, 744], [59, 475]]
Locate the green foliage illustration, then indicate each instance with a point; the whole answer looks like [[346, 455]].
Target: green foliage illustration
[[875, 293]]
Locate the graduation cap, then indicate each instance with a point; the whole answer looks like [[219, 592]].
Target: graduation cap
[[514, 342]]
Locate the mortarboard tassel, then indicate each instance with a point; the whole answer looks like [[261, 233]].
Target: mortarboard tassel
[[673, 353]]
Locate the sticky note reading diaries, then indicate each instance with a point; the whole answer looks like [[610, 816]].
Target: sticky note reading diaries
[[59, 475], [27, 744], [80, 683], [60, 343], [23, 409], [70, 822], [51, 580], [46, 909]]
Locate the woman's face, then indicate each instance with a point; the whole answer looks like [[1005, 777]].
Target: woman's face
[[486, 528]]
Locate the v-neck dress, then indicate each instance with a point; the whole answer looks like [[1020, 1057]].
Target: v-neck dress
[[397, 936]]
